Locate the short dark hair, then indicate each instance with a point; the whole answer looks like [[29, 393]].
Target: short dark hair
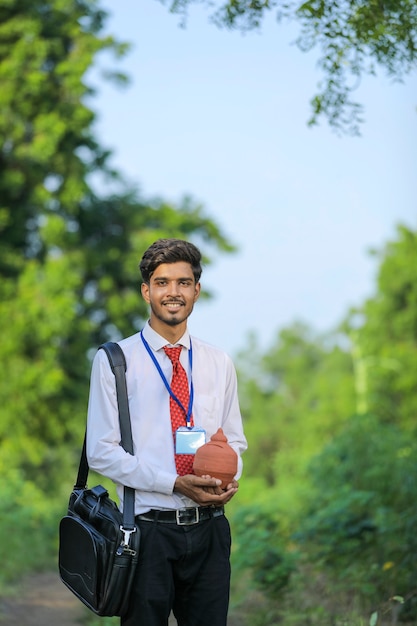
[[170, 251]]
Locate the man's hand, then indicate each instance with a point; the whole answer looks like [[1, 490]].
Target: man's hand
[[204, 490]]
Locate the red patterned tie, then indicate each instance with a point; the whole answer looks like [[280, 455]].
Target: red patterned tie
[[179, 387]]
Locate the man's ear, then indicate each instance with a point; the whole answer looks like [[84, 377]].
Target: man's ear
[[197, 291], [144, 288]]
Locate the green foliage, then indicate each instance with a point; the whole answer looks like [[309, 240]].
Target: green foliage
[[384, 333], [48, 148], [354, 38], [359, 523], [261, 547], [37, 404], [360, 481], [26, 519], [332, 461], [294, 398]]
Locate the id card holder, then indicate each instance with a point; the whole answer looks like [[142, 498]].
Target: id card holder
[[188, 440]]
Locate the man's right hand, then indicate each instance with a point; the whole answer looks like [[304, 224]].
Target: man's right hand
[[204, 490]]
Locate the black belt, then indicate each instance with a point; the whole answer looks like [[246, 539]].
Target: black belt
[[182, 517]]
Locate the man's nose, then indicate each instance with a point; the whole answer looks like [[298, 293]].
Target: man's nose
[[174, 288]]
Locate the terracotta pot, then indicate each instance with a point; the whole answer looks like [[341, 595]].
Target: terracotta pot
[[217, 459]]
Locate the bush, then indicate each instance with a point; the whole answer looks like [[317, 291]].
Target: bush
[[260, 547], [361, 519], [28, 528]]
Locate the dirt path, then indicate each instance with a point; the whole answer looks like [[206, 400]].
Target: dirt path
[[43, 600]]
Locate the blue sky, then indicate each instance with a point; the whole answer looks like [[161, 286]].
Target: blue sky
[[222, 117]]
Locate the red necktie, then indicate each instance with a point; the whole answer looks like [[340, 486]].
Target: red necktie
[[179, 387]]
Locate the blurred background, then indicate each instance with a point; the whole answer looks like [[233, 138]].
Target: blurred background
[[221, 116], [286, 150]]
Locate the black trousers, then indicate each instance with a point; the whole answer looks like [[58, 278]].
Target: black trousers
[[185, 569]]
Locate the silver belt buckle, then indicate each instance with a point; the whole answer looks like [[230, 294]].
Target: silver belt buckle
[[183, 519]]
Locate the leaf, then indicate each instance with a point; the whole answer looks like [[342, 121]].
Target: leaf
[[399, 599]]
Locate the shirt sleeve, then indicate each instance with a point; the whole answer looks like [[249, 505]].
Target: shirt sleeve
[[104, 453]]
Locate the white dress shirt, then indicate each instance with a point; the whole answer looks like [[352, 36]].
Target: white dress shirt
[[151, 470]]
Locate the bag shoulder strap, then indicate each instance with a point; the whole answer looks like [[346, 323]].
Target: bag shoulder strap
[[118, 365]]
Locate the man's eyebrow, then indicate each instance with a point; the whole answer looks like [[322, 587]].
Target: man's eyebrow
[[187, 278]]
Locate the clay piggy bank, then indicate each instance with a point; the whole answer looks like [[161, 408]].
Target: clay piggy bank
[[217, 459]]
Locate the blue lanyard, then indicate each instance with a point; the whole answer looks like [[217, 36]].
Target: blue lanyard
[[166, 383]]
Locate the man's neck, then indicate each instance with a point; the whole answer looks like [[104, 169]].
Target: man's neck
[[171, 333]]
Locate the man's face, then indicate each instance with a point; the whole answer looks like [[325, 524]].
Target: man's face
[[171, 294]]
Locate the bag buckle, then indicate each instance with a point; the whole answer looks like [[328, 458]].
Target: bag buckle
[[187, 517], [124, 546]]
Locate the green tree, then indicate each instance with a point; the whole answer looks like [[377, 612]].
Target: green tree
[[384, 336], [354, 38], [332, 438], [294, 398], [47, 146], [69, 255], [358, 527]]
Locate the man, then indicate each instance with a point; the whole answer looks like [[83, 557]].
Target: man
[[184, 562]]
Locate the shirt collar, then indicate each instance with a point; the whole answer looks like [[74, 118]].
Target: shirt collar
[[157, 342]]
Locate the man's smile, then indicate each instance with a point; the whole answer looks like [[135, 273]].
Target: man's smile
[[173, 306]]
